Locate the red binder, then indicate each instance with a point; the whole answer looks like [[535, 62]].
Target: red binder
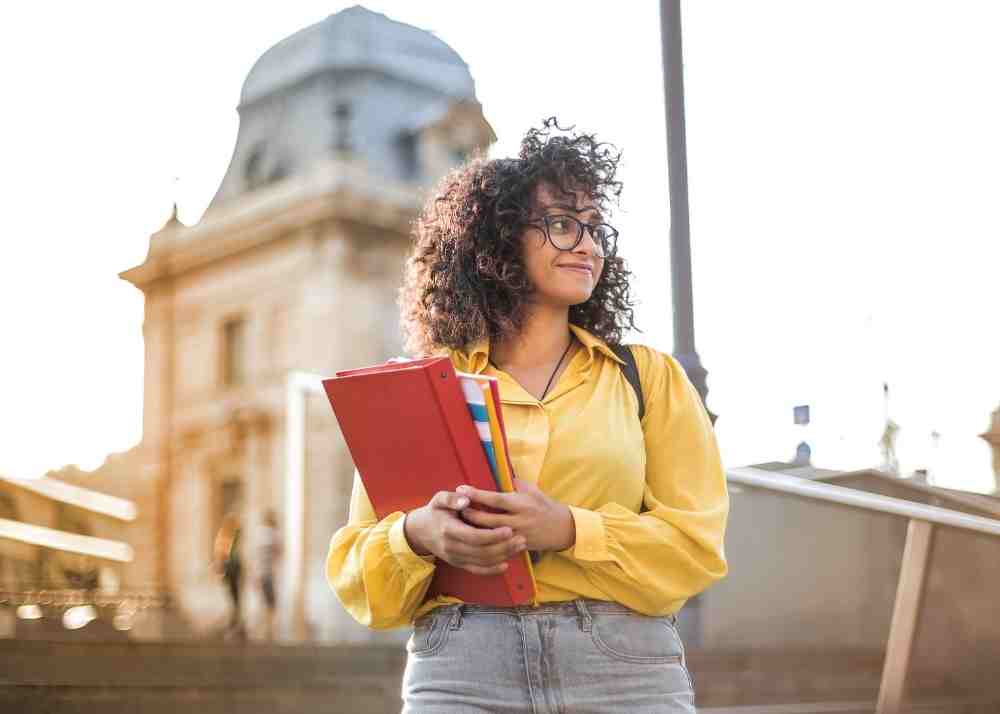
[[410, 433]]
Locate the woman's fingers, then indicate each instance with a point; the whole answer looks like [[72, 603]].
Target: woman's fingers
[[459, 530], [489, 554], [449, 501], [481, 546], [484, 570], [485, 519], [499, 501], [486, 556]]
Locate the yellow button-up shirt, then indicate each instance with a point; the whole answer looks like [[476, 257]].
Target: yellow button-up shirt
[[649, 500]]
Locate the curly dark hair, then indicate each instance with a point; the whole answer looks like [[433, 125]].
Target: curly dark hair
[[465, 278]]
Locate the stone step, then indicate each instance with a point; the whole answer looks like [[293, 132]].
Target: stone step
[[191, 664], [357, 698], [154, 677]]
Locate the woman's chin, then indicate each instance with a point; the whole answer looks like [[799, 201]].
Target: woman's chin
[[563, 298], [576, 298]]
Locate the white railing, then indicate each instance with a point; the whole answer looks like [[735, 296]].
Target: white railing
[[913, 572], [85, 498], [68, 542]]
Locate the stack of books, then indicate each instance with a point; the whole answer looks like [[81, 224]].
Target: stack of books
[[416, 428]]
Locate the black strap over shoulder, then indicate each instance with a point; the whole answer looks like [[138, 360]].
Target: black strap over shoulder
[[631, 372]]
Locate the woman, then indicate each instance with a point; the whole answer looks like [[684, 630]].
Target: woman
[[515, 274], [229, 562]]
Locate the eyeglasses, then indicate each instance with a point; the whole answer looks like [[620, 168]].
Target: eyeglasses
[[566, 232]]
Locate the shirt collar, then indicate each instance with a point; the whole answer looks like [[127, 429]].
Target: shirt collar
[[477, 356], [593, 343]]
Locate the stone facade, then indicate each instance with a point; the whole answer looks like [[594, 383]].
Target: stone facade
[[298, 272]]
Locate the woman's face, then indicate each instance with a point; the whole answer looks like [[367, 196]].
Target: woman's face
[[561, 277]]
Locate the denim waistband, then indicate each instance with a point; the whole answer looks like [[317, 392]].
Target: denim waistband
[[582, 608]]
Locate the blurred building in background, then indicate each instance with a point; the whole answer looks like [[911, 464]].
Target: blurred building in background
[[293, 270], [67, 556], [295, 267]]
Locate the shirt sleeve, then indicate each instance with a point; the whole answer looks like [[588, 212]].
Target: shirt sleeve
[[373, 570], [652, 562]]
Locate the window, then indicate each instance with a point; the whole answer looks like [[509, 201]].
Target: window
[[230, 497], [8, 507], [234, 358], [343, 142], [253, 168], [408, 156]]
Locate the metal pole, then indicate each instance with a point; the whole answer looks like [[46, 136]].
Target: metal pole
[[680, 231]]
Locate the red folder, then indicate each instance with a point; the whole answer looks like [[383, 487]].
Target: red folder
[[410, 433]]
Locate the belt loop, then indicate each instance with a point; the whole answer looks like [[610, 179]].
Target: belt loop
[[586, 620], [456, 617]]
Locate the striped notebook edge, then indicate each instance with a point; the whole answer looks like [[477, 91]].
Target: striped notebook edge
[[472, 389]]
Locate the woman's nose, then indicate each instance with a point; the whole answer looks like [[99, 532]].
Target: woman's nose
[[588, 245]]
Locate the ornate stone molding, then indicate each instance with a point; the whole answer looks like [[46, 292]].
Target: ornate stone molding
[[337, 189]]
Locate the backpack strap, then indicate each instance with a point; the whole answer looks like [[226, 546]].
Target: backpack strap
[[631, 372]]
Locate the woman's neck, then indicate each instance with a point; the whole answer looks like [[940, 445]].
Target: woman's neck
[[541, 341]]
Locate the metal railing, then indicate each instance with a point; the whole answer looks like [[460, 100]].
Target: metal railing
[[913, 572], [56, 595]]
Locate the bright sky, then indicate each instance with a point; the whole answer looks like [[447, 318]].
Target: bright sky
[[843, 162]]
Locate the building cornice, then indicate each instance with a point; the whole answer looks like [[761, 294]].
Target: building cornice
[[336, 190]]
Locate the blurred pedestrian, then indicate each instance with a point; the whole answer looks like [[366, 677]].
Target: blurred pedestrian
[[228, 561], [268, 554]]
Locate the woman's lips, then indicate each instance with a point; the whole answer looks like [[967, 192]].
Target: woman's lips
[[578, 269]]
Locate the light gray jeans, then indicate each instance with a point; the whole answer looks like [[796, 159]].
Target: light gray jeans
[[578, 657]]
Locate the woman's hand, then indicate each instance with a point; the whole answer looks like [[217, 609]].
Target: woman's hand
[[437, 529], [543, 523]]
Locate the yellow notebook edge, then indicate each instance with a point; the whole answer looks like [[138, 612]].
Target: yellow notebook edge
[[499, 440], [500, 449]]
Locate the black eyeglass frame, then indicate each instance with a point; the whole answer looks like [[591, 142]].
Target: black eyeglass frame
[[543, 225]]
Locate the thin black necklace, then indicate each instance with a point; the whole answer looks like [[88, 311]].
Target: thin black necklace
[[551, 376]]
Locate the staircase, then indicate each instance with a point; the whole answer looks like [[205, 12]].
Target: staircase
[[169, 677]]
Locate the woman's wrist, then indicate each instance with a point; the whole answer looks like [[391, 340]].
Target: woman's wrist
[[567, 528], [412, 523]]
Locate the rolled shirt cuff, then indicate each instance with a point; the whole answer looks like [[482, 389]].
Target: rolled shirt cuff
[[400, 547], [591, 543]]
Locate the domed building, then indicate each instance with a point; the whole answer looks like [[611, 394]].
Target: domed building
[[291, 274], [355, 86]]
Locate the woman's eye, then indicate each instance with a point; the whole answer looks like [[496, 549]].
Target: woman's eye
[[559, 225]]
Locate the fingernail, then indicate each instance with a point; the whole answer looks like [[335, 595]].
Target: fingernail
[[463, 502]]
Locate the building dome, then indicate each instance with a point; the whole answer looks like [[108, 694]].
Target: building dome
[[357, 87], [359, 39]]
